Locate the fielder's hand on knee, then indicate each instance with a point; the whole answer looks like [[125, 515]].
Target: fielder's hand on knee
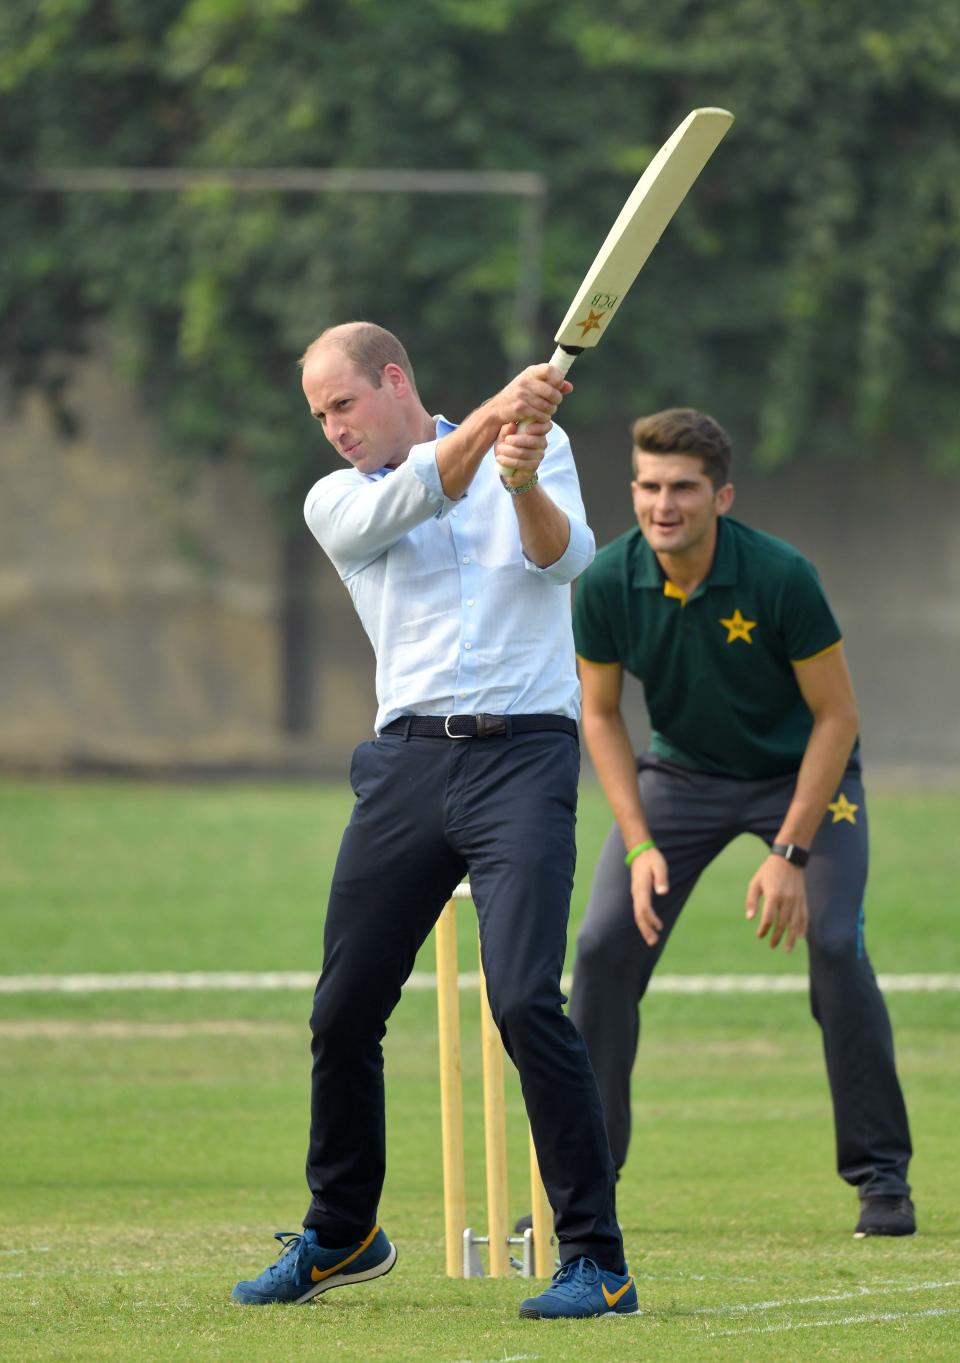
[[648, 876], [782, 888]]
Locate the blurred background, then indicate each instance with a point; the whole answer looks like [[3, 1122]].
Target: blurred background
[[193, 189]]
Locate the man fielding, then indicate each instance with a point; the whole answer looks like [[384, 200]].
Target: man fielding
[[754, 729], [461, 579]]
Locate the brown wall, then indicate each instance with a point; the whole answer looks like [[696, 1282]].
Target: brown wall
[[136, 615]]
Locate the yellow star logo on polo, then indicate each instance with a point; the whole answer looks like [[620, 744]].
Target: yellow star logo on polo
[[843, 809], [738, 628], [590, 323]]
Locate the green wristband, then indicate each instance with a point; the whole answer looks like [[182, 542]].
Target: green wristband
[[635, 851]]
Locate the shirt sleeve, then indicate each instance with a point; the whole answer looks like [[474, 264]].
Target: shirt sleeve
[[423, 460], [808, 623], [592, 633], [558, 478], [356, 518]]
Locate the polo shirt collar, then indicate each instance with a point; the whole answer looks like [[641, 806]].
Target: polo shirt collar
[[723, 572]]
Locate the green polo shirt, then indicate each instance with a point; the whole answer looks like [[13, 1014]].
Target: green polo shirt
[[715, 667]]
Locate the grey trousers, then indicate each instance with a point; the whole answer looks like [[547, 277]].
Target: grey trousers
[[692, 816]]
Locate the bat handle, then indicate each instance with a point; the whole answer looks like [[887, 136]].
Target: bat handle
[[560, 359]]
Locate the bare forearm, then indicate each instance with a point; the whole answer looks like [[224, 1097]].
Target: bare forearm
[[828, 751], [544, 528], [461, 453], [612, 754]]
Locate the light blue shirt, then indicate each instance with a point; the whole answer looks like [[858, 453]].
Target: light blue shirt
[[460, 620]]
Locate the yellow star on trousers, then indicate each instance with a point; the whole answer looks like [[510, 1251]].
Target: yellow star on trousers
[[738, 628], [590, 323], [843, 809]]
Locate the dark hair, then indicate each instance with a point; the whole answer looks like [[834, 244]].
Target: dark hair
[[368, 348], [683, 430]]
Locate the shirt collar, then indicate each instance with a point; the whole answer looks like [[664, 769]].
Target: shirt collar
[[444, 427], [723, 572]]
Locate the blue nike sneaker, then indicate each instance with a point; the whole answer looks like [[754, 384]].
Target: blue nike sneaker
[[581, 1289], [305, 1268]]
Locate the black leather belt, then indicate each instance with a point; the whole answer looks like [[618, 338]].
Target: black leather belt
[[477, 726]]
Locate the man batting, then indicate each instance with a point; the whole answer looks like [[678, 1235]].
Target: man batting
[[461, 579], [754, 729]]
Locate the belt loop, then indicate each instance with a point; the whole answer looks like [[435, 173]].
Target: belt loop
[[407, 728], [509, 719]]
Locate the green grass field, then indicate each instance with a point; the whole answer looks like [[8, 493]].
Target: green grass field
[[150, 1143]]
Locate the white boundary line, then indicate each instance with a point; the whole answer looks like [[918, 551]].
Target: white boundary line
[[824, 1299], [233, 980], [831, 1322], [116, 1029]]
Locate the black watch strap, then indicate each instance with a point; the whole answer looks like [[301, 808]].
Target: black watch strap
[[797, 856]]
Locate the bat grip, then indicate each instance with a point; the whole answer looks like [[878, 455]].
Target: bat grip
[[563, 359], [560, 359]]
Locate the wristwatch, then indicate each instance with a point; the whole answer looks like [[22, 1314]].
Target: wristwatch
[[516, 491], [797, 856]]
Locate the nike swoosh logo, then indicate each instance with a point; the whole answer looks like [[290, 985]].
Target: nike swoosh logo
[[611, 1298], [318, 1274]]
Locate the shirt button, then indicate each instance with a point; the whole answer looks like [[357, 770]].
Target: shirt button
[[466, 558], [470, 601], [454, 513], [463, 695], [468, 645]]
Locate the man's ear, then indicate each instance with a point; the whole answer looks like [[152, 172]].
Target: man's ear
[[396, 379], [723, 499]]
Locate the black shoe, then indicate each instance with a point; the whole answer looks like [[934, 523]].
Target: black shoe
[[886, 1216]]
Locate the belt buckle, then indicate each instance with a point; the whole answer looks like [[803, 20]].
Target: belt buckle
[[446, 726]]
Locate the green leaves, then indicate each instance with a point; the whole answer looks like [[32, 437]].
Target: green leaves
[[808, 292]]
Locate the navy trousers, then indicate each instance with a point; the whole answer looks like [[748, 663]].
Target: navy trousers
[[692, 816], [429, 811]]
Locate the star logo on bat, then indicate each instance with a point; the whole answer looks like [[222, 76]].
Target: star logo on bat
[[590, 323], [843, 809], [738, 628]]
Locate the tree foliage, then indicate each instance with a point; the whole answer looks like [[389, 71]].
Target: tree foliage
[[808, 293]]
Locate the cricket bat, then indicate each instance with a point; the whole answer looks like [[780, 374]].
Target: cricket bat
[[657, 195]]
